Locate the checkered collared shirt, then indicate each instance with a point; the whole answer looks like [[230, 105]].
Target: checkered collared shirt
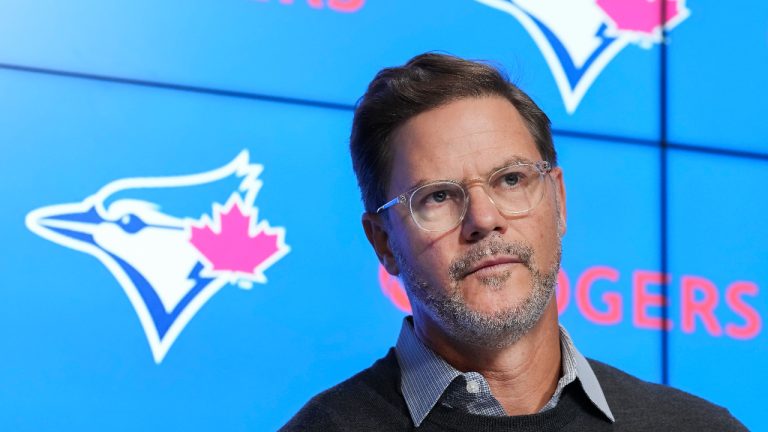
[[425, 377]]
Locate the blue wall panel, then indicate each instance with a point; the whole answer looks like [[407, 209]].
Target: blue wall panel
[[717, 250], [295, 50], [717, 67], [75, 350]]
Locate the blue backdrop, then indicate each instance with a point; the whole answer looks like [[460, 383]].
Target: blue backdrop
[[181, 240]]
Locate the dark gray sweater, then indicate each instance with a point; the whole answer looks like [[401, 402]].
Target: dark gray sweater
[[372, 401]]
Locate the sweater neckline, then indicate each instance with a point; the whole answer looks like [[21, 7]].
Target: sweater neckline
[[551, 420]]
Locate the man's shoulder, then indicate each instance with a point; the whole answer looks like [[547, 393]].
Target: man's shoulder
[[637, 402], [620, 386], [364, 399]]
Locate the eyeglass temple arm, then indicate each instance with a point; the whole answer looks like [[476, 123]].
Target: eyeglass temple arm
[[394, 201]]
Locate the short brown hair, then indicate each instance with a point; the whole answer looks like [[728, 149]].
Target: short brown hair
[[426, 82]]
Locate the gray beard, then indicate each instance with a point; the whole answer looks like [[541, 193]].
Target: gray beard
[[491, 330]]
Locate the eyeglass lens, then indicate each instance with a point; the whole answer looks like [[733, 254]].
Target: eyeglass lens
[[441, 205]]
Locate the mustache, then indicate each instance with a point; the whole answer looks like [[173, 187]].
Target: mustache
[[492, 247]]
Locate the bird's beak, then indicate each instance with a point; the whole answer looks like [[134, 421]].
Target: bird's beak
[[67, 219]]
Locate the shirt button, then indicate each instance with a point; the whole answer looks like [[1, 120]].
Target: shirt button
[[473, 387]]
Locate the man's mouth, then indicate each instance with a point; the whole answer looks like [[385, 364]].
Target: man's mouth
[[491, 264]]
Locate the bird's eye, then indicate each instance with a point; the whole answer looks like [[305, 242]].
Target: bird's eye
[[131, 223]]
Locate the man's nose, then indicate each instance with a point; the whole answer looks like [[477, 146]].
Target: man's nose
[[483, 217]]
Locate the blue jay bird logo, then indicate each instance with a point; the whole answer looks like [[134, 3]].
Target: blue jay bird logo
[[169, 258], [579, 38]]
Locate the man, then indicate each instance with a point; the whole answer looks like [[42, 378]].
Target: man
[[465, 202]]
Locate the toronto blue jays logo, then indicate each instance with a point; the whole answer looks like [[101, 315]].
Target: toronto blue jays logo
[[169, 259], [578, 38]]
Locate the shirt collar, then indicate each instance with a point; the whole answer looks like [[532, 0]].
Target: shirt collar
[[425, 376], [584, 373]]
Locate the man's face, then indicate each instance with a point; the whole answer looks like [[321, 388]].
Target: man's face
[[488, 280]]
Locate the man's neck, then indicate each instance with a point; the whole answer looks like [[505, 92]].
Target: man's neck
[[522, 376]]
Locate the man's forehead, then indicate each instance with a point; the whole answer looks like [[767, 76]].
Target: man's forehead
[[467, 139], [419, 159]]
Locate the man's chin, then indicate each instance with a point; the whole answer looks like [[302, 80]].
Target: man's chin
[[493, 319], [489, 311], [492, 329], [495, 300]]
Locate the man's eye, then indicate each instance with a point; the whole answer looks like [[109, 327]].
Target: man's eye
[[511, 179], [438, 197]]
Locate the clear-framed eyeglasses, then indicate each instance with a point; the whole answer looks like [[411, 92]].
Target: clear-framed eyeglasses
[[441, 205]]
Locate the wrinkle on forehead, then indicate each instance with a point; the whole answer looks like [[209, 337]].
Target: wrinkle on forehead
[[458, 160], [462, 140]]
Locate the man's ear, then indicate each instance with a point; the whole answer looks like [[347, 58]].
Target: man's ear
[[559, 186], [376, 231]]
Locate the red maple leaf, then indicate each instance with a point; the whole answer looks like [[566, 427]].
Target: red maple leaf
[[232, 247], [643, 16]]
